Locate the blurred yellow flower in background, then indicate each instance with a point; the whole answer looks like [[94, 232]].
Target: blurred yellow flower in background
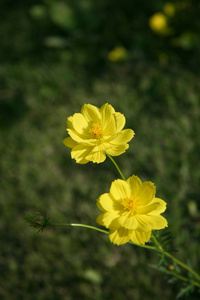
[[95, 131], [118, 54], [131, 211], [169, 9], [158, 22]]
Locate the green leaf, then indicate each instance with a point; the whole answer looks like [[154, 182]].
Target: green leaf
[[185, 291]]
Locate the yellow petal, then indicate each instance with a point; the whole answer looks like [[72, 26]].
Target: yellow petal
[[81, 138], [117, 150], [79, 123], [123, 137], [134, 183], [120, 121], [80, 152], [108, 203], [98, 147], [100, 207], [91, 113], [128, 220], [109, 127], [108, 120], [140, 238], [96, 157], [161, 206], [69, 142], [99, 219], [119, 236], [109, 219], [119, 189], [147, 208], [148, 222], [143, 224], [69, 122], [82, 161], [146, 192], [106, 107]]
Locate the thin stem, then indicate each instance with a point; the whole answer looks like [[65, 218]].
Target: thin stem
[[118, 169], [157, 244], [180, 263], [178, 276], [157, 247], [177, 261], [143, 246], [79, 225], [97, 229]]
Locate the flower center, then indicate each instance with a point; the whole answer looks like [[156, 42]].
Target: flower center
[[96, 130], [131, 203]]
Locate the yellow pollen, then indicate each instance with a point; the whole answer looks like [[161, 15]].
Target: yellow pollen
[[131, 203], [96, 130]]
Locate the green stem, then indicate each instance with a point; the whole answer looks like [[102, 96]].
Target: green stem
[[177, 261], [179, 276], [118, 169], [78, 225], [157, 247], [97, 229], [143, 246], [180, 263]]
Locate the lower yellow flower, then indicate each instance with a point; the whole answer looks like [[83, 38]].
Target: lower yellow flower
[[95, 131], [131, 211], [118, 54]]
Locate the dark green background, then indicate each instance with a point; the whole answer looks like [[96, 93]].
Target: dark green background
[[53, 59]]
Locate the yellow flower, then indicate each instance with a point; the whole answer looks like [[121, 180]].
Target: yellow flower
[[158, 22], [169, 9], [117, 54], [95, 131], [131, 211]]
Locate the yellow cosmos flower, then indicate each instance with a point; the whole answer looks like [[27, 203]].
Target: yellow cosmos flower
[[158, 22], [95, 131], [131, 211]]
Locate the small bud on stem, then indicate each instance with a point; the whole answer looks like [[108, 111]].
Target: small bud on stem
[[37, 220]]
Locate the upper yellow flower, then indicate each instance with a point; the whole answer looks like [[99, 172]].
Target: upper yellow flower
[[158, 22], [169, 9], [95, 131], [131, 211]]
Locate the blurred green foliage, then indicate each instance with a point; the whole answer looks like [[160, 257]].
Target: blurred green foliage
[[54, 58]]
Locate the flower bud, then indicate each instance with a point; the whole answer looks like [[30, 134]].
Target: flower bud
[[36, 220], [171, 267]]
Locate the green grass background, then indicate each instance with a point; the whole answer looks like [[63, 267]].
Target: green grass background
[[45, 80]]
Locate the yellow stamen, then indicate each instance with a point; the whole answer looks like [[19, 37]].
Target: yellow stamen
[[131, 203], [96, 130]]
